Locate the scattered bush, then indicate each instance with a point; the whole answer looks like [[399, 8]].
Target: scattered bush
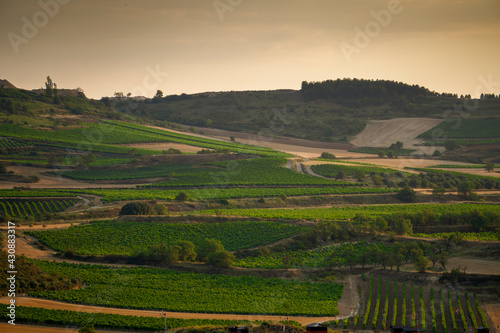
[[136, 208]]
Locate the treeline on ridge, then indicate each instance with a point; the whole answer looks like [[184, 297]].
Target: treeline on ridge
[[361, 88]]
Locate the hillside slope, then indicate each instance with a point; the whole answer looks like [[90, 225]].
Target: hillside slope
[[382, 133]]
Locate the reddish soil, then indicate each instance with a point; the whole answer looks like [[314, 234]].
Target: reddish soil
[[7, 328], [493, 312]]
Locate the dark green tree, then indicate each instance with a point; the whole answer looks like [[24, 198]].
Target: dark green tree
[[222, 259], [407, 195], [208, 247], [136, 208], [186, 251], [182, 196]]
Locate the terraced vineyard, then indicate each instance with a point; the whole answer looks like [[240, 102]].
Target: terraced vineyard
[[110, 237], [228, 193], [30, 315], [472, 236], [76, 140], [161, 289], [347, 213], [7, 143], [240, 172], [465, 128], [15, 193], [130, 130], [331, 170], [406, 304], [328, 256], [33, 207]]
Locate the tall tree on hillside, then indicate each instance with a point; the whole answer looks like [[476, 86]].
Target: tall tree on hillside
[[50, 87], [490, 166]]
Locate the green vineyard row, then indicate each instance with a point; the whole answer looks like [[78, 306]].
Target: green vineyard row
[[22, 208], [168, 290]]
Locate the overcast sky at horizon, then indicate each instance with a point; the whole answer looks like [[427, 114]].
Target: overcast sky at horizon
[[114, 45]]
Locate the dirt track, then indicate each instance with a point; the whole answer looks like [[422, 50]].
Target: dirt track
[[6, 328], [47, 304]]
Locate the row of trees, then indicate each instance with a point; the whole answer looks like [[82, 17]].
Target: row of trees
[[356, 89], [420, 254], [211, 252]]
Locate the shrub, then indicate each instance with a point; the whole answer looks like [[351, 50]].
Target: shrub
[[221, 259], [160, 209], [136, 208], [327, 156], [182, 196], [407, 195]]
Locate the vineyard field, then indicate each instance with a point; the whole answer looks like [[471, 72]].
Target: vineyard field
[[163, 289], [209, 193], [331, 170], [241, 172], [347, 213], [321, 257], [32, 207], [126, 238], [14, 193], [471, 236], [460, 128], [74, 140], [131, 130], [411, 305], [7, 143], [32, 315]]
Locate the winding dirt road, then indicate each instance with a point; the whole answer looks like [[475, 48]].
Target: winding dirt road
[[55, 305]]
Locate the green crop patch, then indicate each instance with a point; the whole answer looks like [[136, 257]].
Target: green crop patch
[[332, 170], [255, 171], [347, 213], [459, 128], [110, 237], [32, 315], [130, 130], [167, 290], [320, 257], [212, 193], [33, 207]]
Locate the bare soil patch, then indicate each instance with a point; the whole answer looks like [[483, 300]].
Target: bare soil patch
[[475, 266], [493, 311], [382, 133]]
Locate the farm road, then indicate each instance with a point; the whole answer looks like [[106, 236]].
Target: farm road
[[48, 304]]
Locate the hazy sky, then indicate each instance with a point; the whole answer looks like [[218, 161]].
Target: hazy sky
[[115, 45]]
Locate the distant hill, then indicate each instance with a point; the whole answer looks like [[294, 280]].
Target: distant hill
[[328, 111], [6, 84]]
